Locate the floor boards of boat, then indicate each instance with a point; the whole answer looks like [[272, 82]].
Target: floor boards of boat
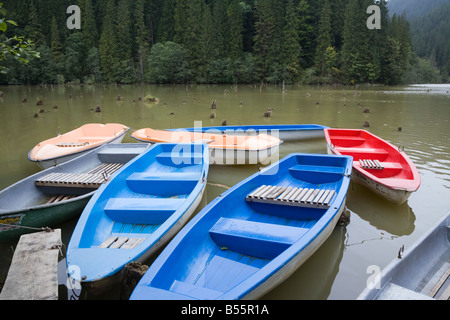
[[115, 242], [93, 179], [59, 198], [439, 285]]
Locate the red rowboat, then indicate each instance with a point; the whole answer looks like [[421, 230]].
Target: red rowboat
[[377, 164]]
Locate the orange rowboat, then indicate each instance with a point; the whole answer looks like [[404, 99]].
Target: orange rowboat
[[72, 144], [223, 149], [377, 164]]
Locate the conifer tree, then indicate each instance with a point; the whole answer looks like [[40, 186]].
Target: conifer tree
[[142, 37], [236, 23], [89, 27], [56, 46], [221, 29], [305, 34], [188, 37], [277, 11], [108, 44], [166, 22], [356, 56], [75, 57], [123, 30], [206, 43], [34, 27], [264, 32], [324, 38], [291, 45], [180, 21]]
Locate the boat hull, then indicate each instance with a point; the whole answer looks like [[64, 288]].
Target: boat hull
[[48, 163], [35, 219], [421, 271], [99, 286], [262, 229], [392, 195], [26, 204], [286, 271], [286, 133], [145, 205], [224, 149], [219, 156], [378, 165]]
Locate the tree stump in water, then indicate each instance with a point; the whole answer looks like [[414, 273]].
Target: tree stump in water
[[344, 219], [132, 274]]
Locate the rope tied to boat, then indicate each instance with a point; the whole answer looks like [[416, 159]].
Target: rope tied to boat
[[46, 229]]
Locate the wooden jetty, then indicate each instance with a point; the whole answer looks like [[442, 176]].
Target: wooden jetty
[[33, 274]]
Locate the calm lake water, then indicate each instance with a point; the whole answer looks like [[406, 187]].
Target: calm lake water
[[377, 229]]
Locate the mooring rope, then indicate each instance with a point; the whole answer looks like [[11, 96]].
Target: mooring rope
[[47, 229]]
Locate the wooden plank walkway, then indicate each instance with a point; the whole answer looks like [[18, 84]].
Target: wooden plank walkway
[[33, 274]]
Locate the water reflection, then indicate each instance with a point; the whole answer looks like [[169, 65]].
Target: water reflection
[[383, 215], [434, 89], [314, 279]]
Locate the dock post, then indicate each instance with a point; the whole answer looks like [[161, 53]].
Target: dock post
[[33, 274]]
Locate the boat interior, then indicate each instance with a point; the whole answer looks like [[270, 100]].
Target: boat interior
[[154, 191], [242, 236], [364, 148]]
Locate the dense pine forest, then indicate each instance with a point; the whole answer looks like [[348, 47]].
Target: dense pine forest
[[213, 41]]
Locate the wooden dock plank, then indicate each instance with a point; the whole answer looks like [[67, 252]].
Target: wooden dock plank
[[33, 274]]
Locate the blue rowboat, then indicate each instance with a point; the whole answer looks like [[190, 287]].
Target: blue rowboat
[[284, 132], [255, 235], [137, 212]]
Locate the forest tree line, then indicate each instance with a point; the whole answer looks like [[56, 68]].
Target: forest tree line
[[213, 41]]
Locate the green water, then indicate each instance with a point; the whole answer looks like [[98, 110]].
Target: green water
[[377, 229]]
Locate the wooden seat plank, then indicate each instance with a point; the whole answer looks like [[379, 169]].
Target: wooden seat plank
[[94, 178], [306, 197]]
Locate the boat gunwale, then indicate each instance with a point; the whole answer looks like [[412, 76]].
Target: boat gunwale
[[259, 127], [271, 139], [297, 248], [414, 182], [145, 248], [87, 149], [437, 230], [278, 262]]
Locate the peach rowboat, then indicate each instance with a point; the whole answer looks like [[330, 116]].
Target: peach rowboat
[[223, 149], [72, 144]]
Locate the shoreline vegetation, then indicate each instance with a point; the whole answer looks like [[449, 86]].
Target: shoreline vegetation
[[215, 42]]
